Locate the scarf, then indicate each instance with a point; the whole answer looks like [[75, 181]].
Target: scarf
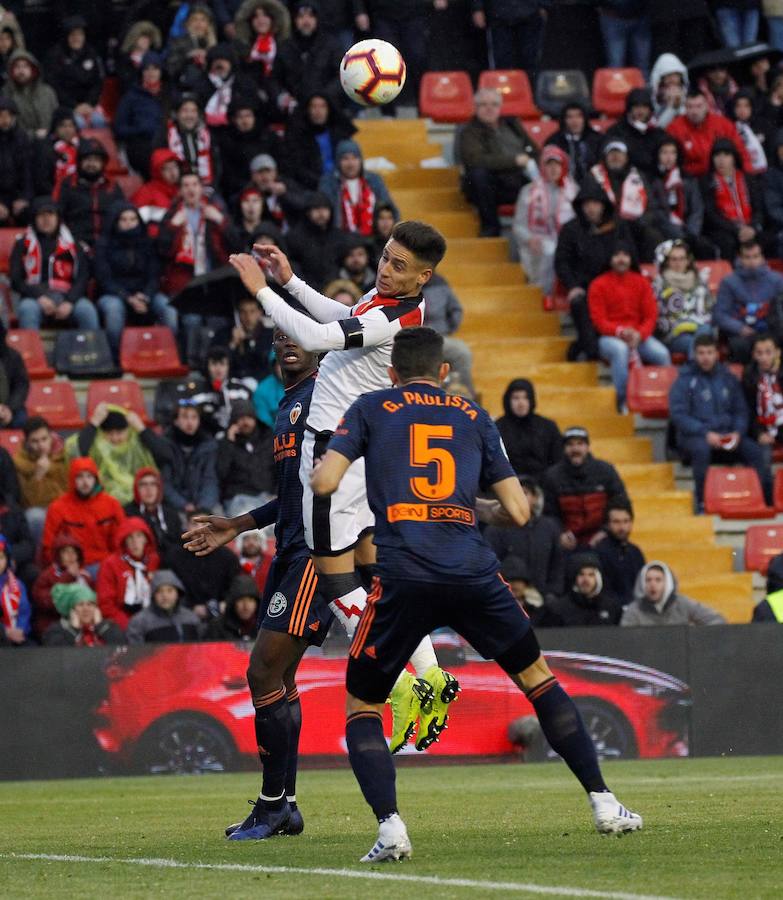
[[769, 403], [758, 158], [152, 87], [732, 198], [216, 110], [137, 586], [633, 198], [87, 636], [684, 302], [357, 217], [200, 156], [61, 266], [264, 50], [674, 187], [543, 216], [718, 101], [65, 162], [192, 249], [10, 600]]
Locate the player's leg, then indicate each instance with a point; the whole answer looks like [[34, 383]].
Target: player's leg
[[296, 823]]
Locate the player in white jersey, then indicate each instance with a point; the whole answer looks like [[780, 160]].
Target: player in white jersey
[[338, 529]]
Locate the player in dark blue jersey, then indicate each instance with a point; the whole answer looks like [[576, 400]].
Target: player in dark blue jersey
[[295, 615], [427, 454]]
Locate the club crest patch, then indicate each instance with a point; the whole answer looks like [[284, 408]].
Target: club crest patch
[[295, 413], [277, 605]]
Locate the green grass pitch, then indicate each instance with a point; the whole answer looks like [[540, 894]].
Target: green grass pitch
[[713, 829]]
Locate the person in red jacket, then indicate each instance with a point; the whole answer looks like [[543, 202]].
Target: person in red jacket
[[85, 510], [155, 196], [624, 312], [698, 129], [124, 577], [67, 567]]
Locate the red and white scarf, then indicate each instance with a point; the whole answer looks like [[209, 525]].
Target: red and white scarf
[[732, 198], [10, 600], [675, 195], [89, 637], [216, 110], [264, 50], [633, 199], [357, 217], [192, 249], [203, 150], [769, 403], [540, 214], [61, 265], [758, 158], [65, 163]]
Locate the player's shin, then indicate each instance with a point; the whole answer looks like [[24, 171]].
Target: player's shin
[[295, 727], [273, 736], [372, 762]]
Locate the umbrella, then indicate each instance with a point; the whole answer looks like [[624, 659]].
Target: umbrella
[[733, 58], [215, 294]]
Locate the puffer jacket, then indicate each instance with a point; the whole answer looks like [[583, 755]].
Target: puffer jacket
[[154, 625], [747, 297]]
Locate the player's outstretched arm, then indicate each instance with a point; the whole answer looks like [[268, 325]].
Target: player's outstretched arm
[[215, 531], [513, 500], [328, 473]]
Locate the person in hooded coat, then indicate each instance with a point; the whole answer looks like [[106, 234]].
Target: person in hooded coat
[[577, 138], [533, 443], [315, 243], [187, 52], [142, 111], [770, 609], [167, 620], [123, 583], [16, 185], [66, 567], [587, 601], [35, 100], [239, 622], [14, 384], [75, 71], [637, 131], [658, 602], [161, 517], [755, 132], [142, 37], [155, 196], [773, 190], [54, 155], [246, 136], [676, 202], [669, 87], [15, 609], [517, 574], [261, 27], [217, 85]]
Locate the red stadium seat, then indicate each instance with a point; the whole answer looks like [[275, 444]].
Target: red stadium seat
[[777, 492], [446, 96], [648, 390], [8, 238], [11, 439], [717, 270], [611, 87], [115, 166], [56, 402], [762, 543], [110, 96], [649, 270], [735, 493], [557, 301], [129, 183], [603, 125], [150, 353], [124, 393], [514, 86], [539, 132], [28, 343], [775, 264]]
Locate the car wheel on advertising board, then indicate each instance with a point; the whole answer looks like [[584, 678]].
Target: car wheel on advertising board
[[185, 743]]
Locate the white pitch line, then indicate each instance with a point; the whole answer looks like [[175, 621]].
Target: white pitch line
[[369, 875]]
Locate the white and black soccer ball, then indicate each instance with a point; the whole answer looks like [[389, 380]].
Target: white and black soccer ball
[[372, 72]]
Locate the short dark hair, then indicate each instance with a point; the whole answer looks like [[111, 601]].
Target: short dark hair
[[188, 173], [765, 336], [424, 242], [215, 354], [750, 244], [34, 423], [417, 352], [619, 504], [705, 340]]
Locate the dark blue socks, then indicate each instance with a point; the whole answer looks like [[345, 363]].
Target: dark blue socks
[[294, 728], [273, 730], [372, 762]]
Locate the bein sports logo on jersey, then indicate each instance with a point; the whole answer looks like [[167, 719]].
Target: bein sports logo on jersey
[[295, 413], [277, 605]]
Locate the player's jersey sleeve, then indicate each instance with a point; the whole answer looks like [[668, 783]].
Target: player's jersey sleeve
[[350, 437], [322, 307], [494, 461]]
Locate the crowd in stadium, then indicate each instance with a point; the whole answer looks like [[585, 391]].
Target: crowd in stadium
[[233, 131]]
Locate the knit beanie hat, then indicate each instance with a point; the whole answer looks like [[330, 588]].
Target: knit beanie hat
[[66, 596]]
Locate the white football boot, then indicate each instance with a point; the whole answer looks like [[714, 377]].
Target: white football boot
[[393, 841], [610, 816]]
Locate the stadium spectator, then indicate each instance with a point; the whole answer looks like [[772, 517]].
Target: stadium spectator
[[624, 312], [42, 472], [773, 13], [189, 475], [86, 511], [443, 312], [770, 609], [384, 220], [685, 300], [9, 481], [123, 583], [584, 250], [255, 554], [261, 27], [284, 198], [166, 620], [676, 201], [251, 212], [315, 242], [587, 600], [269, 393], [311, 138], [738, 21], [35, 100], [217, 84], [755, 132], [516, 30], [717, 86], [355, 263], [249, 341], [533, 442], [161, 517], [627, 32], [141, 38], [16, 187], [749, 301], [517, 575], [120, 444], [81, 623], [353, 192], [620, 559], [49, 272], [187, 53], [207, 579], [536, 546], [53, 157], [498, 157], [245, 462], [15, 609], [763, 387], [14, 384], [638, 132], [66, 567], [216, 393], [190, 140], [543, 207], [239, 621], [577, 138], [87, 197], [658, 602], [577, 491], [669, 86], [13, 525], [141, 113], [710, 417], [773, 190], [343, 291], [242, 141], [697, 130], [75, 71], [309, 59], [11, 38], [155, 196]]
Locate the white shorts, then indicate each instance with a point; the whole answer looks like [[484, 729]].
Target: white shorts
[[333, 524]]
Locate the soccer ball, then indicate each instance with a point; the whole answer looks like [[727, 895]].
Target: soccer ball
[[372, 72]]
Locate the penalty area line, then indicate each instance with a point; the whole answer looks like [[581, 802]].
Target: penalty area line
[[369, 875]]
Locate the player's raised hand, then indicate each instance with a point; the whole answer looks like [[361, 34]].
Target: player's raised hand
[[211, 532], [249, 270], [276, 260]]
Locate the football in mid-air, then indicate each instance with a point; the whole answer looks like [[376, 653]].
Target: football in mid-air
[[372, 72]]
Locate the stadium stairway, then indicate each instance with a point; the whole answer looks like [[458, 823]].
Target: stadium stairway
[[511, 336]]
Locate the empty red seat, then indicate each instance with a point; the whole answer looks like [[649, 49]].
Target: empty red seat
[[648, 390], [717, 270], [150, 352], [762, 543], [120, 392], [539, 132], [8, 238], [777, 491], [110, 96], [735, 493], [611, 87], [514, 87], [115, 165], [557, 300], [129, 183], [56, 402], [446, 96], [11, 439], [28, 343]]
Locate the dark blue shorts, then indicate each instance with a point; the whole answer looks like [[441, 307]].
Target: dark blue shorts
[[292, 603], [400, 613]]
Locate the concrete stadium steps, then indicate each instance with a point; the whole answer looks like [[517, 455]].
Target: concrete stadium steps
[[597, 401], [731, 595], [479, 250], [415, 203], [620, 450], [401, 129], [709, 561], [652, 476], [463, 274], [576, 375], [455, 224], [663, 504], [681, 530], [422, 179], [398, 150], [504, 354], [477, 325]]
